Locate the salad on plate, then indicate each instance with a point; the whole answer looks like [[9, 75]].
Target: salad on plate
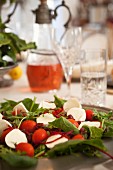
[[31, 130]]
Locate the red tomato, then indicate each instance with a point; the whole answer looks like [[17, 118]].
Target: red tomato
[[14, 112], [28, 126], [89, 115], [39, 135], [74, 122], [78, 136], [25, 147], [57, 111], [4, 133]]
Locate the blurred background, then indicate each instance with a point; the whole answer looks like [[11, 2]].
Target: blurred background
[[83, 12], [94, 16]]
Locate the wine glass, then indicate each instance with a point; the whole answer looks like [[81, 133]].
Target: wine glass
[[68, 50]]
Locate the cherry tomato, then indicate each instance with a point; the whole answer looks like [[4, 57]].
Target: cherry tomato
[[89, 115], [78, 136], [25, 147], [14, 113], [4, 133], [57, 111], [74, 122], [39, 135], [28, 126]]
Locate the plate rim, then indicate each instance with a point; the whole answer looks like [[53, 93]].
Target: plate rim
[[103, 108]]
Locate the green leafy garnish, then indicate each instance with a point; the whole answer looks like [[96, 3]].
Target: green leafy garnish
[[93, 132], [74, 146], [11, 45], [58, 101], [91, 144], [16, 160], [63, 124]]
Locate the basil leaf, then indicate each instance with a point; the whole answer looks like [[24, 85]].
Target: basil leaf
[[64, 125]]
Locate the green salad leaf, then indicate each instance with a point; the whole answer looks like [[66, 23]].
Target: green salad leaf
[[93, 132], [108, 128], [30, 104], [7, 106], [20, 161], [58, 101], [63, 124], [100, 115], [73, 146], [15, 159], [90, 144]]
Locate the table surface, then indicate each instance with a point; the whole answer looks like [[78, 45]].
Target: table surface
[[20, 90]]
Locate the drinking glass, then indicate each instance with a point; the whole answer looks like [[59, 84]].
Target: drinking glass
[[93, 66], [68, 52]]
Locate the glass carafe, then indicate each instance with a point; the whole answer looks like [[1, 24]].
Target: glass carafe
[[44, 70]]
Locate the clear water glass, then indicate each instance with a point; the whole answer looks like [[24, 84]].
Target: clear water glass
[[93, 66]]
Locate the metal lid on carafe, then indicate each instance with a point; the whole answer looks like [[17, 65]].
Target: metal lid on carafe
[[43, 13]]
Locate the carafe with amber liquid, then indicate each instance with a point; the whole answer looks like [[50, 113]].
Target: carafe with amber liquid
[[44, 71]]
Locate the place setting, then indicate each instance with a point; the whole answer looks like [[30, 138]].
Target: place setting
[[58, 114], [52, 132]]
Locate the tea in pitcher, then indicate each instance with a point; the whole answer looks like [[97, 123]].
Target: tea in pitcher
[[44, 72]]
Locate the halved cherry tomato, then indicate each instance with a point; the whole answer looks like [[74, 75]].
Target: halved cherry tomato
[[39, 135], [4, 133], [78, 136], [25, 147], [89, 115], [57, 111], [74, 122], [28, 126], [14, 113]]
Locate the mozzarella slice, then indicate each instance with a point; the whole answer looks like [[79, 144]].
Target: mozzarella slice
[[15, 137], [47, 105], [54, 140], [4, 124], [20, 107], [1, 116], [89, 123], [45, 118], [72, 102], [77, 113]]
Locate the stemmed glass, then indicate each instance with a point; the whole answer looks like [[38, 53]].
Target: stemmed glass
[[68, 50]]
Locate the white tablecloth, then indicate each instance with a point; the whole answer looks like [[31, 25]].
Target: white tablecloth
[[20, 90]]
